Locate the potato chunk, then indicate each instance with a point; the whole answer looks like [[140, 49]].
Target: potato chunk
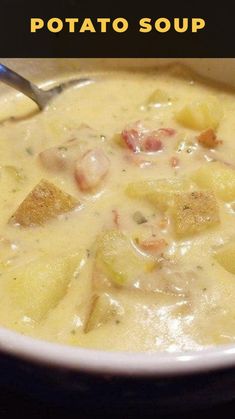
[[159, 192], [226, 257], [118, 259], [43, 203], [158, 98], [103, 309], [218, 177], [194, 212], [201, 115], [38, 286]]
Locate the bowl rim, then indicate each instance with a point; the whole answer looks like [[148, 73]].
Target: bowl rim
[[101, 362]]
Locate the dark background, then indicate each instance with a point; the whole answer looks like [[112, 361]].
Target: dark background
[[215, 40], [13, 405]]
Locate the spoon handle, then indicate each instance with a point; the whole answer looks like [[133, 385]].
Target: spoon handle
[[39, 96], [19, 83]]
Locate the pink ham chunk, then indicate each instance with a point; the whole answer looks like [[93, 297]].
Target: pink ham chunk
[[132, 139], [91, 169], [137, 138], [152, 143]]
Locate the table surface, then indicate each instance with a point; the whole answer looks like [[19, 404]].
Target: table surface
[[17, 405]]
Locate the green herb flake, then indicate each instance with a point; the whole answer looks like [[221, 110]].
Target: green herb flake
[[29, 151], [139, 218], [62, 148]]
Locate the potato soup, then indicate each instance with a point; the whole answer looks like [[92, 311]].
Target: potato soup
[[117, 226]]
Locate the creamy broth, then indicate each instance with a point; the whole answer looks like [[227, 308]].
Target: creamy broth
[[130, 263]]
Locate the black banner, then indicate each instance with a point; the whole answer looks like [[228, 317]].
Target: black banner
[[85, 28]]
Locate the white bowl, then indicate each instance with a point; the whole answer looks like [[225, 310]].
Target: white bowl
[[64, 373]]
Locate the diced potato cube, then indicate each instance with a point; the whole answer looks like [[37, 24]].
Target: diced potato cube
[[118, 259], [158, 98], [43, 203], [200, 115], [194, 212], [103, 309], [38, 286], [226, 257], [218, 177], [158, 192]]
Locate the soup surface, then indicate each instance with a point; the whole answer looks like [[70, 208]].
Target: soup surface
[[117, 226]]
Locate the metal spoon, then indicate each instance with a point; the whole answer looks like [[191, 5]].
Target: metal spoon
[[39, 96]]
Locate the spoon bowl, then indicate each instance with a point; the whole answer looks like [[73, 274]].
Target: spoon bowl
[[39, 96]]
